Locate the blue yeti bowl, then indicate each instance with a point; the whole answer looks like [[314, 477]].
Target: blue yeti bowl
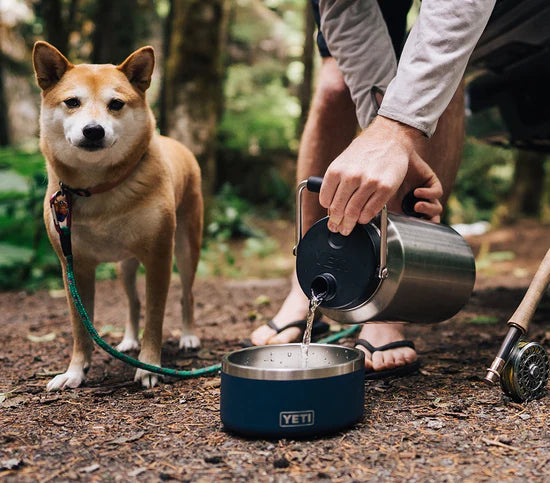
[[265, 391]]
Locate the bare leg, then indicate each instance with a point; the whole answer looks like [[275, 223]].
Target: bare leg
[[330, 127], [443, 152], [127, 271]]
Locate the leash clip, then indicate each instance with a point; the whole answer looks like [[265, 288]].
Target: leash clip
[[60, 206]]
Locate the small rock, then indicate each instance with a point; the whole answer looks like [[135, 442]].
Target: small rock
[[525, 416], [281, 463], [11, 464], [435, 424], [137, 471], [213, 459]]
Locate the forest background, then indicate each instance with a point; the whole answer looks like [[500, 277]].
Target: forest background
[[233, 81]]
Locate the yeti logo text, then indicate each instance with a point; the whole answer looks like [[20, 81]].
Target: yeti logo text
[[296, 418]]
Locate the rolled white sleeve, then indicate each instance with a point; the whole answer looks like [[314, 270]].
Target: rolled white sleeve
[[358, 39], [432, 63]]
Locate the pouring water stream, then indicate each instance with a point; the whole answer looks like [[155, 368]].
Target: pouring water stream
[[314, 302]]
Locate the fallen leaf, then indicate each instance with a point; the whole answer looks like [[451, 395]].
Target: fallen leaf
[[89, 469], [262, 300], [520, 272], [57, 294], [483, 319], [127, 439], [110, 329], [12, 401], [136, 472], [502, 256], [213, 383], [41, 338]]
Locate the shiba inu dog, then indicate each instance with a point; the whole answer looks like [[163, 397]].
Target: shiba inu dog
[[97, 134]]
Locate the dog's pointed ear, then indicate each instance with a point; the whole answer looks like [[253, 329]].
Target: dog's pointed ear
[[138, 67], [49, 64]]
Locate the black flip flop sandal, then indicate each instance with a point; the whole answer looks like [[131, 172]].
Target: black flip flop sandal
[[319, 328], [396, 371]]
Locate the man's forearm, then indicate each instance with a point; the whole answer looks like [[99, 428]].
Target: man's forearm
[[359, 41], [431, 66], [434, 60]]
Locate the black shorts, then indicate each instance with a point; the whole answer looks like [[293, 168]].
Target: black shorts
[[394, 13]]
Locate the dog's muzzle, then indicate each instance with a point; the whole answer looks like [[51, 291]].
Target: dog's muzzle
[[94, 135]]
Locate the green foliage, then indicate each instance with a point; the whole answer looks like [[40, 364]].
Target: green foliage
[[27, 258], [260, 113], [485, 176], [261, 108], [222, 253], [228, 216]]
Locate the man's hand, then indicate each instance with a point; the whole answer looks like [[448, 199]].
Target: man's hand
[[360, 181]]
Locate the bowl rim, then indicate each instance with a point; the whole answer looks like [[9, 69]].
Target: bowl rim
[[292, 374]]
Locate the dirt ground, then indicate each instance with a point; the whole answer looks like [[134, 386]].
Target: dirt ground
[[442, 424]]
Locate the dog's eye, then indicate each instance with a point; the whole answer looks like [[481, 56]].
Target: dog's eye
[[72, 102], [116, 105]]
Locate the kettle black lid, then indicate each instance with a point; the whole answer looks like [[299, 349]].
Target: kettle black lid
[[349, 261]]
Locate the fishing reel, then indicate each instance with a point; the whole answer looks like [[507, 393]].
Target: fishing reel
[[525, 375], [522, 366]]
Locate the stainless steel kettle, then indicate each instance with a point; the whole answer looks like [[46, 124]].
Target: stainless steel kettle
[[395, 268]]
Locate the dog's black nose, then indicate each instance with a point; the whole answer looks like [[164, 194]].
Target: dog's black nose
[[93, 132]]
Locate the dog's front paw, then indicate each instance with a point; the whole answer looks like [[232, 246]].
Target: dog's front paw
[[189, 341], [70, 379], [127, 345], [146, 378]]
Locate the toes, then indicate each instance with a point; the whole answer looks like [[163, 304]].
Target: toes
[[189, 342], [409, 356], [390, 359], [368, 358], [261, 335], [292, 334], [378, 363], [146, 378], [70, 379], [399, 358], [128, 345]]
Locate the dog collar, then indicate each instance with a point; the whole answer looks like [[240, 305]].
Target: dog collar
[[100, 188]]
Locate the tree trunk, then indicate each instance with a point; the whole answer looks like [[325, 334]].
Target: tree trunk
[[528, 188], [307, 59], [166, 37], [58, 23], [56, 31], [114, 37], [4, 118], [194, 75]]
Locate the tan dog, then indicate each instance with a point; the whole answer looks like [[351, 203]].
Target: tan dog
[[97, 132]]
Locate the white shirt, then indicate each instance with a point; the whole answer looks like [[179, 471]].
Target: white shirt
[[432, 64]]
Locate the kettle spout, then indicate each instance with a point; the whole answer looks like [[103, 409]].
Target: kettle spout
[[323, 287]]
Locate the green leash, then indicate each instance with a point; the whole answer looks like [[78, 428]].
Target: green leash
[[111, 350], [142, 365], [61, 211]]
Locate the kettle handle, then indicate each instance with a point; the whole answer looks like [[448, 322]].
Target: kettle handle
[[408, 203], [313, 184]]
